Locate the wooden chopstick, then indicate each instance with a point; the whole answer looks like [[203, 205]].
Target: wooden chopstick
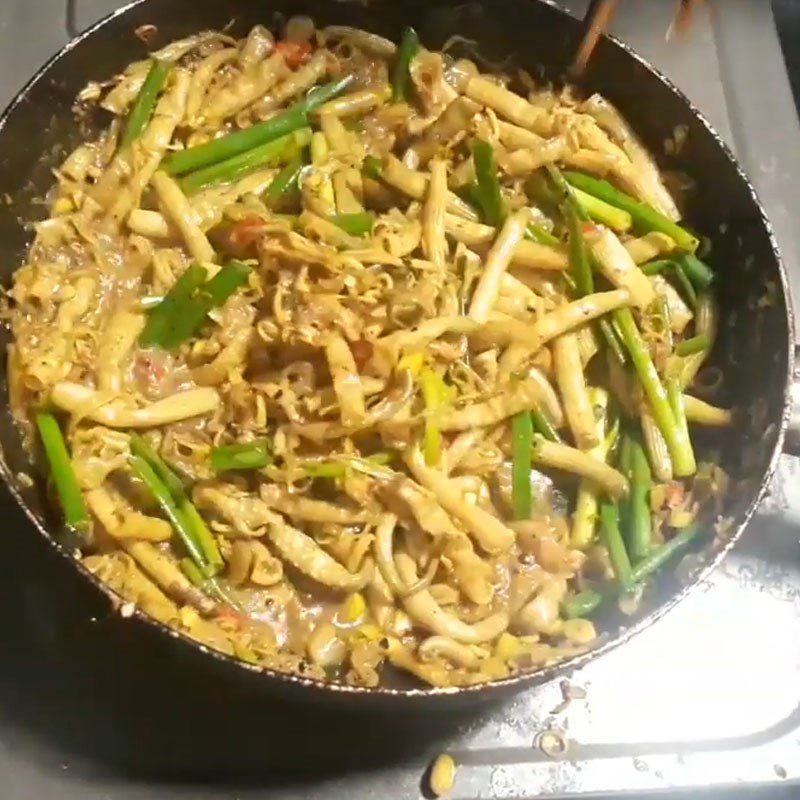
[[599, 16]]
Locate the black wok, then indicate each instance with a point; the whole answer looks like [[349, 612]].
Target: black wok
[[756, 341]]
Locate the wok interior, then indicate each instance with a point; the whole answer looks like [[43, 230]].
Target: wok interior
[[753, 349]]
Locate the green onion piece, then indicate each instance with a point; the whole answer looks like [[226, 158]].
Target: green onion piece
[[140, 448], [584, 603], [145, 102], [675, 398], [202, 536], [194, 522], [541, 235], [158, 319], [266, 155], [639, 521], [543, 426], [580, 264], [191, 571], [489, 198], [327, 469], [435, 395], [284, 182], [247, 455], [372, 168], [165, 500], [680, 448], [209, 586], [613, 341], [320, 95], [69, 492], [359, 224], [697, 271], [561, 192], [660, 555], [697, 344], [192, 315], [624, 458], [685, 285], [401, 76], [231, 277], [655, 267], [643, 216], [226, 147], [540, 190], [470, 194], [522, 451], [187, 310], [602, 212], [612, 538]]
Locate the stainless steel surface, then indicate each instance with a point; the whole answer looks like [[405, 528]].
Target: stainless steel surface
[[708, 697]]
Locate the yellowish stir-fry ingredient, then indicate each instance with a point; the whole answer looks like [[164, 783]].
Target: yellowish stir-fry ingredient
[[345, 357]]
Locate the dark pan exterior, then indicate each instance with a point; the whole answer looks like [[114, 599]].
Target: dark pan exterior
[[755, 349]]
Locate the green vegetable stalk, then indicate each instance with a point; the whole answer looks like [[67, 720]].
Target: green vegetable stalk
[[165, 500], [584, 603], [488, 194], [435, 394], [579, 258], [145, 102], [602, 212], [656, 267], [543, 426], [639, 522], [697, 344], [294, 118], [540, 235], [678, 443], [697, 271], [401, 77], [185, 307], [203, 549], [247, 455], [359, 224], [265, 155], [612, 538], [643, 216], [522, 451], [69, 492], [284, 183]]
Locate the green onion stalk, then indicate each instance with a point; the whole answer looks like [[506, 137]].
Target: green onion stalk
[[226, 147]]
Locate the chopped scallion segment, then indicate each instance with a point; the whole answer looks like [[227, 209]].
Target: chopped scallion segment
[[643, 216], [246, 455], [225, 147], [185, 307], [67, 487], [359, 224], [145, 102], [522, 449], [401, 77], [488, 194]]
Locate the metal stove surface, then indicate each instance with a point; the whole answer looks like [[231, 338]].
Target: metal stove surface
[[707, 699]]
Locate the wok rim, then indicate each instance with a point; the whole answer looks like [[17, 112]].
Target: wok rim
[[482, 691]]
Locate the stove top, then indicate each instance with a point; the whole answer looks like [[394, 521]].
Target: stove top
[[709, 698]]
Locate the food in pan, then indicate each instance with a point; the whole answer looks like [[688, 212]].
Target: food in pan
[[344, 357]]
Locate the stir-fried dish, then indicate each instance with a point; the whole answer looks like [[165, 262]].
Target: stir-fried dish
[[343, 356]]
